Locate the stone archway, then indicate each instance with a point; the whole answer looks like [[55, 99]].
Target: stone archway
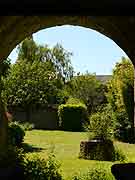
[[13, 29]]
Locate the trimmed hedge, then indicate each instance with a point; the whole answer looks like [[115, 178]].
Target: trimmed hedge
[[101, 150], [72, 117], [97, 150]]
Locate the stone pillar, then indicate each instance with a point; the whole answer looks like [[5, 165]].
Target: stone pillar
[[133, 128], [3, 128], [134, 101]]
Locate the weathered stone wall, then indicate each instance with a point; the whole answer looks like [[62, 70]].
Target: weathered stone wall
[[42, 119]]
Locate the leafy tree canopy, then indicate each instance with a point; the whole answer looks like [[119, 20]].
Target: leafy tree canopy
[[38, 75], [121, 92], [58, 57], [88, 89]]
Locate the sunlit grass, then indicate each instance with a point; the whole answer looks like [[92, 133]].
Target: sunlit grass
[[66, 145]]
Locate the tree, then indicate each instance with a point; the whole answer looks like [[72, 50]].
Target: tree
[[27, 50], [88, 89], [121, 93], [30, 85], [38, 76], [58, 57]]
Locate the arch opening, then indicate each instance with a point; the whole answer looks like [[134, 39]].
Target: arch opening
[[102, 25]]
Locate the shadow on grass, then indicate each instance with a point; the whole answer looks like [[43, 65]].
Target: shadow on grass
[[30, 148]]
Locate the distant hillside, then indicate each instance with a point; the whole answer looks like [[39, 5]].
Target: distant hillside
[[103, 78]]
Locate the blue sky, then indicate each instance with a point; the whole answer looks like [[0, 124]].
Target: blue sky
[[92, 51]]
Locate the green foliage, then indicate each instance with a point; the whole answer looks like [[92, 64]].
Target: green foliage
[[67, 148], [31, 85], [27, 50], [95, 174], [31, 167], [121, 94], [37, 168], [4, 67], [16, 134], [72, 100], [27, 126], [61, 60], [38, 76], [62, 96], [102, 124], [88, 89], [118, 155], [58, 57], [72, 116], [4, 71]]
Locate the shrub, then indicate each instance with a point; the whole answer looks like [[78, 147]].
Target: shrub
[[27, 126], [72, 116], [100, 133], [102, 124], [122, 126], [95, 174], [28, 167], [16, 134], [37, 168], [72, 100], [118, 155]]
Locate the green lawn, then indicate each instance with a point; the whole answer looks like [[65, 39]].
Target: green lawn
[[65, 145]]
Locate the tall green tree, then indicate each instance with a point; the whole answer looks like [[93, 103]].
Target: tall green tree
[[57, 56], [121, 93], [27, 50], [30, 85], [38, 76]]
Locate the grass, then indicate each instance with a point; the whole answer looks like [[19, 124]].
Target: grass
[[66, 146]]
